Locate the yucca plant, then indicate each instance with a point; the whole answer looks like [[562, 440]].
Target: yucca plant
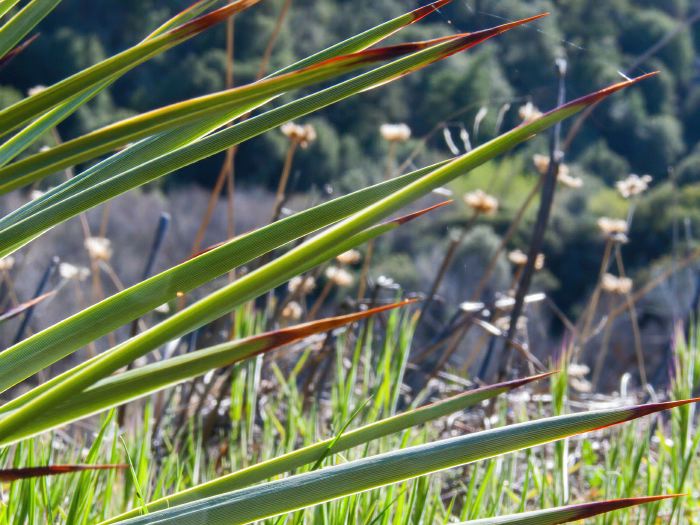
[[158, 143]]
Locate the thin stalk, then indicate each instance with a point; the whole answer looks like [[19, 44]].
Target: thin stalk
[[455, 242], [280, 194], [41, 287], [595, 298], [634, 320], [320, 300], [226, 173], [546, 201]]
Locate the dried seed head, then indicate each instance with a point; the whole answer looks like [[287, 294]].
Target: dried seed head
[[163, 309], [580, 385], [99, 248], [303, 135], [339, 276], [566, 179], [539, 261], [612, 227], [292, 311], [349, 258], [633, 185], [616, 285], [35, 90], [384, 281], [517, 257], [528, 113], [578, 370], [395, 132], [35, 194], [7, 263], [302, 284], [541, 163], [70, 271], [481, 202]]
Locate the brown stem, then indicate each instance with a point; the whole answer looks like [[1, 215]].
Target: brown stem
[[590, 311], [280, 195], [320, 300], [364, 272], [602, 354], [634, 320], [273, 38]]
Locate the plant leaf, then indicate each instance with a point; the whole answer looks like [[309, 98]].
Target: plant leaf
[[303, 490], [167, 141], [352, 438], [145, 380], [19, 26], [16, 474], [21, 112], [567, 514], [95, 366], [284, 267], [30, 355], [19, 233], [104, 140], [16, 310]]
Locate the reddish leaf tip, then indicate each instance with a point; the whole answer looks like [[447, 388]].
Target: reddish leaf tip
[[588, 510], [597, 96], [409, 217], [666, 405], [204, 22], [466, 40], [516, 383], [295, 333]]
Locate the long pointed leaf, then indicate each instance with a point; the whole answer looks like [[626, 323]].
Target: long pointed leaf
[[288, 265], [167, 141], [145, 380], [19, 26], [16, 474], [104, 140], [353, 438], [303, 490], [24, 110], [19, 233], [568, 514], [29, 356], [347, 244]]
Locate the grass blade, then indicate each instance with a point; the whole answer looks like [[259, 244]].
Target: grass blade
[[29, 356], [24, 110], [103, 365], [16, 474], [23, 307], [353, 438], [19, 26], [16, 51], [303, 490], [165, 142], [145, 380], [19, 233], [104, 140], [570, 513]]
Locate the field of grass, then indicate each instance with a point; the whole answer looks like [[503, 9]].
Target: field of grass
[[300, 399]]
